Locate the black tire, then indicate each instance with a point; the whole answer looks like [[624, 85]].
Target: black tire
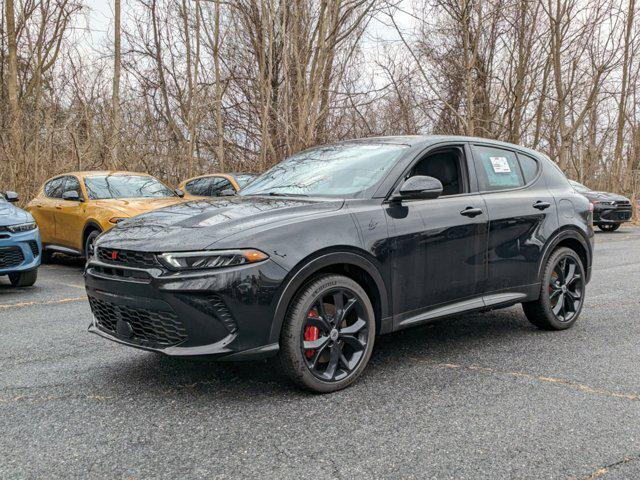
[[608, 227], [23, 279], [88, 243], [563, 281], [47, 256], [350, 334]]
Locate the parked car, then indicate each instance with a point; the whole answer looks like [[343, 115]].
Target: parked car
[[74, 208], [610, 210], [340, 243], [214, 184], [20, 245]]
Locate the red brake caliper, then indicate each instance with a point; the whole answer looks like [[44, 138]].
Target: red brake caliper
[[311, 334]]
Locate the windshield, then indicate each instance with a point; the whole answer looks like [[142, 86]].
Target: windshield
[[333, 170], [125, 186], [244, 178], [579, 187]]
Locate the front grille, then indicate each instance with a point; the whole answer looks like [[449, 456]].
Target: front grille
[[11, 257], [128, 258], [151, 328], [33, 245], [616, 215], [120, 273]]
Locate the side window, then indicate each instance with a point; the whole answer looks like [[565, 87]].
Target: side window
[[218, 185], [446, 165], [529, 167], [73, 185], [199, 186], [54, 188], [497, 169]]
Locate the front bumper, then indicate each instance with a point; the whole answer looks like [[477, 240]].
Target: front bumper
[[19, 252], [618, 213], [226, 313]]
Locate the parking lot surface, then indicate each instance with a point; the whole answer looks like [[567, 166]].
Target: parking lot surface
[[476, 396]]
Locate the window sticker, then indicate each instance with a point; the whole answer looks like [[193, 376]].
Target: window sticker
[[500, 164]]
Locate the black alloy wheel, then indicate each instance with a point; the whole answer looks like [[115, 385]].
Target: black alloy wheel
[[561, 293], [335, 334], [328, 335], [566, 288]]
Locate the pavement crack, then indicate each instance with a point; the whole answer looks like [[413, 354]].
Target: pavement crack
[[605, 469], [544, 379]]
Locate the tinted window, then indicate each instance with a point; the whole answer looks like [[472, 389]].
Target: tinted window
[[125, 186], [54, 188], [218, 185], [529, 167], [199, 186], [73, 185], [497, 169], [345, 169]]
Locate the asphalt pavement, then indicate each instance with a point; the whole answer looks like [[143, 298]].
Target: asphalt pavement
[[476, 396]]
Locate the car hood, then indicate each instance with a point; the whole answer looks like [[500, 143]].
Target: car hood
[[12, 215], [136, 206], [201, 223], [605, 197]]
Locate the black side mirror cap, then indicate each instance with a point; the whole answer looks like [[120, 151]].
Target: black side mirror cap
[[179, 192], [419, 187], [11, 196], [72, 196]]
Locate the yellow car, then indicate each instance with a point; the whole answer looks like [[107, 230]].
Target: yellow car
[[212, 185], [71, 210]]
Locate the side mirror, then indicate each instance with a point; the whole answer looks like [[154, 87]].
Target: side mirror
[[71, 195], [11, 196], [179, 192], [227, 192], [419, 187]]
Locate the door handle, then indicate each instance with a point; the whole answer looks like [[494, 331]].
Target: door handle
[[58, 207], [471, 212], [541, 205]]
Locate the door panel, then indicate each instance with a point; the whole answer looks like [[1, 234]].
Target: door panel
[[44, 209], [438, 253], [518, 232], [522, 215], [70, 217]]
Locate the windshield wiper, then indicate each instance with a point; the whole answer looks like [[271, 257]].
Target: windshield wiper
[[279, 194]]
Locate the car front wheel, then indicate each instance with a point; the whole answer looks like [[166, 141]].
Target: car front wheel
[[328, 334], [561, 293]]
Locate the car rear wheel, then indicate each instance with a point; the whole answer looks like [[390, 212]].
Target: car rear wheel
[[328, 334], [608, 227], [23, 279], [561, 293]]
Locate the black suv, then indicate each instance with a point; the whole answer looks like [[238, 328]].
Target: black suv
[[610, 210], [341, 243]]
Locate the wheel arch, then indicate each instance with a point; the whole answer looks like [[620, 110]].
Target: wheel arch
[[347, 261], [570, 237]]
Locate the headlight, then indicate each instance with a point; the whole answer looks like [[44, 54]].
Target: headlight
[[211, 259], [22, 227]]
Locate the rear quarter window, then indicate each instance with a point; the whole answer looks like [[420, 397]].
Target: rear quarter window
[[529, 167], [497, 169]]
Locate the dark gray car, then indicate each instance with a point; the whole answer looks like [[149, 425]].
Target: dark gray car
[[610, 210]]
